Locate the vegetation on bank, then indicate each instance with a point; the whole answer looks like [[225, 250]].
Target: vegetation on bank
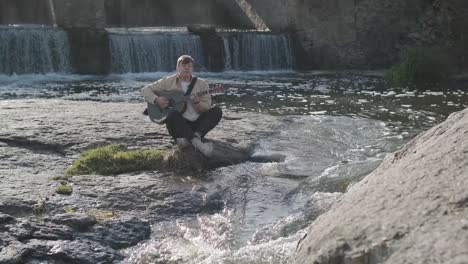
[[115, 159], [422, 68], [64, 189]]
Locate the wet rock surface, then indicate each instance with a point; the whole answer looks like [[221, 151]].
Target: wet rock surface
[[69, 238], [149, 195], [412, 209], [39, 139]]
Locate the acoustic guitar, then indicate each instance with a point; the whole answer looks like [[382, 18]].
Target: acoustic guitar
[[177, 101]]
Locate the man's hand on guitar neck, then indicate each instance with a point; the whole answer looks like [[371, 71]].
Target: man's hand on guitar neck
[[218, 88], [162, 102]]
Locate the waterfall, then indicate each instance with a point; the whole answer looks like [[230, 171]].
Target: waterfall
[[257, 51], [227, 55], [41, 49], [157, 49], [151, 52], [33, 49]]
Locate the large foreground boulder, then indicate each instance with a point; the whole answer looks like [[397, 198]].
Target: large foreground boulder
[[412, 209]]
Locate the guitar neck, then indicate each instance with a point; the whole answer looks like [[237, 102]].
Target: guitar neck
[[203, 93]]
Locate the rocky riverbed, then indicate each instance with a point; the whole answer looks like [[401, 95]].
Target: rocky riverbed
[[39, 139]]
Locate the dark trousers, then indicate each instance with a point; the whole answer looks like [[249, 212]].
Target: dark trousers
[[179, 127]]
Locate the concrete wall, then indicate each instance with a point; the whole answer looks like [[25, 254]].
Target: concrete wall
[[25, 12], [324, 27], [344, 33], [90, 50], [369, 33], [124, 13], [133, 13], [277, 14], [80, 13]]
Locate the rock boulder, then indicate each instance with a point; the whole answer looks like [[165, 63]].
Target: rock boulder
[[412, 209]]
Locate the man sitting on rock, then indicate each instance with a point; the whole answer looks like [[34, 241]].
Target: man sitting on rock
[[198, 119]]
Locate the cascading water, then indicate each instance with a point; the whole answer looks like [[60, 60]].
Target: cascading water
[[257, 51], [33, 49], [151, 51], [156, 49]]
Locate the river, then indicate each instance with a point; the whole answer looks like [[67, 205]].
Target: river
[[336, 128]]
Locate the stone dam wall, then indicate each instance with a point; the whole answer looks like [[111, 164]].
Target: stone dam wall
[[341, 34]]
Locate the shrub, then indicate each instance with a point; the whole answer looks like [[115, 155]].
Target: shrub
[[64, 189], [422, 68], [114, 159]]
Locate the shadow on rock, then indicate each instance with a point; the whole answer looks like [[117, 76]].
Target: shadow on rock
[[190, 159]]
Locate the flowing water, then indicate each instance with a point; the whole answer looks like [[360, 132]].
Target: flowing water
[[38, 49], [336, 127], [253, 51], [147, 50], [33, 49], [269, 205], [139, 50]]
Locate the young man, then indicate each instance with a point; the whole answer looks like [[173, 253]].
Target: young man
[[199, 117]]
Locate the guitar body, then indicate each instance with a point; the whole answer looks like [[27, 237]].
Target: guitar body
[[176, 102]]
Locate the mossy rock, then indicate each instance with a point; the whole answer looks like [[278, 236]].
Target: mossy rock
[[115, 159], [64, 189]]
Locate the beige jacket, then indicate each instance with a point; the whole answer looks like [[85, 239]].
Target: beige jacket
[[171, 83]]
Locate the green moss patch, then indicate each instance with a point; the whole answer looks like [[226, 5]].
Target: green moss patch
[[64, 189], [68, 210], [115, 159]]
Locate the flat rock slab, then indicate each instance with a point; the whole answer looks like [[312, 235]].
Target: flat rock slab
[[39, 139]]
